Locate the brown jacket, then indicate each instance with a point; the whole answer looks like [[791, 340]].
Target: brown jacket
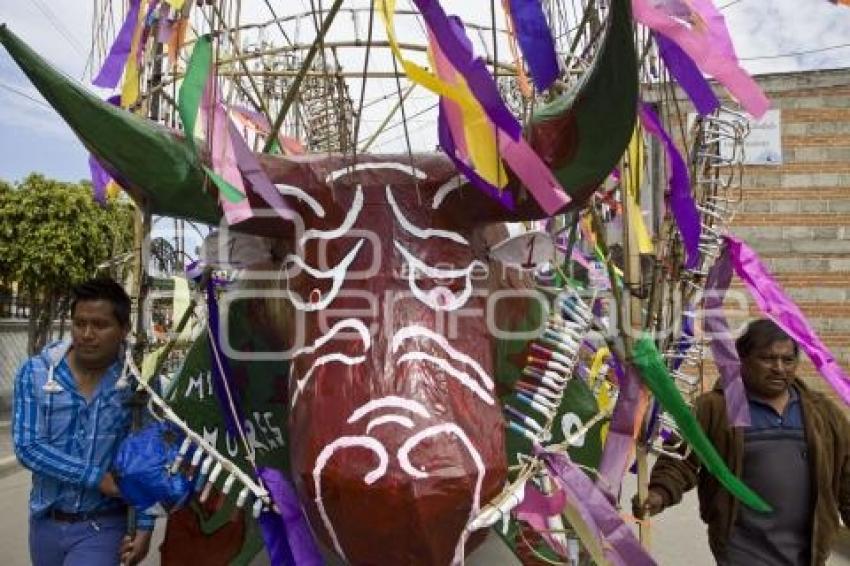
[[828, 437]]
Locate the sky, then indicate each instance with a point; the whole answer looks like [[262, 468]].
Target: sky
[[769, 36]]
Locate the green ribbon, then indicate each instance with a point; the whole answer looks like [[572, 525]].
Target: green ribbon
[[653, 371], [227, 190], [192, 89]]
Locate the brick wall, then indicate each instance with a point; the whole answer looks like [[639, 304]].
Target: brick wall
[[797, 215]]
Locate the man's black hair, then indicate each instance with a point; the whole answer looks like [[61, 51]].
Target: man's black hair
[[103, 289], [760, 334]]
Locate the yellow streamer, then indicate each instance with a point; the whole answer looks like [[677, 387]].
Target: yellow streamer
[[596, 365], [130, 88], [176, 4], [113, 189], [632, 182], [478, 130]]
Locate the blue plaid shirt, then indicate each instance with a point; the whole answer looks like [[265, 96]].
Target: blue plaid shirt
[[67, 441]]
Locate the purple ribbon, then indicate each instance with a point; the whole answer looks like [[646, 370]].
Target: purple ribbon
[[535, 40], [536, 507], [687, 74], [447, 142], [618, 542], [776, 305], [113, 67], [620, 442], [722, 346], [99, 179], [681, 201], [287, 536], [221, 375], [456, 46]]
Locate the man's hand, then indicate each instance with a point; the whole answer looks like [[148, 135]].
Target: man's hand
[[108, 486], [134, 550], [653, 505]]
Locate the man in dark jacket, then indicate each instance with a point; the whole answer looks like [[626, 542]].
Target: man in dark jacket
[[795, 454]]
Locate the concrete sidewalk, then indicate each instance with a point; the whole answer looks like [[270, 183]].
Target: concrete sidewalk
[[8, 462]]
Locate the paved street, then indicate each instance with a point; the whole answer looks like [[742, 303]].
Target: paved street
[[678, 536]]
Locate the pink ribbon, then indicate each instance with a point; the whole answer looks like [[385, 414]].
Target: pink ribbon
[[776, 305], [706, 40]]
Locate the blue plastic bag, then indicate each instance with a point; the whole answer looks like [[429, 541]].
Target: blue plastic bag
[[142, 464]]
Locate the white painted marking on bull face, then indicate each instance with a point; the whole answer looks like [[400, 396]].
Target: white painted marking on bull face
[[347, 223], [290, 191], [406, 422], [337, 274], [349, 169], [422, 233], [403, 456], [452, 184], [301, 383], [430, 299], [353, 323], [416, 331], [392, 401], [445, 366], [370, 478]]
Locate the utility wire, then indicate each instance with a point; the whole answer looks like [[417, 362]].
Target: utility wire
[[25, 95], [796, 53]]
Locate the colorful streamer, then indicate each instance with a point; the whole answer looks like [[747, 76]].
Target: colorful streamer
[[623, 430], [651, 368], [192, 89], [699, 28], [99, 179], [525, 87], [288, 538], [776, 305], [223, 157], [687, 74], [535, 40], [225, 390], [632, 180], [617, 540], [478, 92], [113, 66], [681, 200], [722, 347], [130, 88]]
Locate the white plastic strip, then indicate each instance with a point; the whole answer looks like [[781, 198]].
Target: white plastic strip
[[337, 274], [409, 169], [353, 323], [347, 223], [389, 401], [437, 273], [320, 361], [452, 184], [406, 422], [423, 233], [416, 331], [290, 191], [445, 366]]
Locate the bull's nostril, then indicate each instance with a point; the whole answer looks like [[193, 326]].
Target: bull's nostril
[[315, 296]]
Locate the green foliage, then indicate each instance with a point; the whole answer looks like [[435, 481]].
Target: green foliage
[[54, 235]]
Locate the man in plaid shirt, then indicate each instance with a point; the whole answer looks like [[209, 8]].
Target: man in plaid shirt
[[70, 415]]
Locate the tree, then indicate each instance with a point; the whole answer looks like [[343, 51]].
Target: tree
[[53, 235]]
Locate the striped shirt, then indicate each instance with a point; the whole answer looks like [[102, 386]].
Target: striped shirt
[[67, 441]]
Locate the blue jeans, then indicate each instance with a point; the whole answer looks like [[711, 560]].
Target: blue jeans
[[84, 543]]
